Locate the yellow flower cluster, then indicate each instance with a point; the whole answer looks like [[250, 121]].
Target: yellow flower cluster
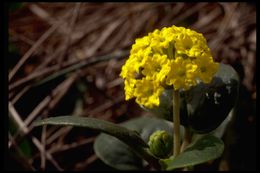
[[173, 56]]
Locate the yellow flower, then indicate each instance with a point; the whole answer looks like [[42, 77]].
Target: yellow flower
[[147, 92], [129, 88], [156, 67], [173, 56], [182, 74], [206, 68], [140, 44]]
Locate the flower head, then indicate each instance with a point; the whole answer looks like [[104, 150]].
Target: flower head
[[147, 92], [173, 56]]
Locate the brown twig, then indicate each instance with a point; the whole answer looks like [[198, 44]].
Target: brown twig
[[215, 44], [71, 146], [98, 43], [21, 37], [20, 94], [189, 12], [50, 101], [69, 32], [43, 151], [21, 125], [32, 49], [207, 19], [104, 106], [57, 134], [70, 66], [84, 164]]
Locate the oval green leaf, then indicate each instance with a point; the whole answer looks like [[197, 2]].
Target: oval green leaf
[[116, 154], [208, 105], [204, 149], [128, 136]]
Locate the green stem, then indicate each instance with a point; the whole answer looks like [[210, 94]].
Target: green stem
[[176, 121], [187, 138]]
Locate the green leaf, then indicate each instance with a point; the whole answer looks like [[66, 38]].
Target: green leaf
[[120, 156], [200, 151], [116, 154], [208, 105], [219, 132], [128, 136]]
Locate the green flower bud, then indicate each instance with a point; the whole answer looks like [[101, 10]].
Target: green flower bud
[[160, 143]]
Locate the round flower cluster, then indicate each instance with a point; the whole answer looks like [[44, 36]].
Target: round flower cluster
[[172, 57]]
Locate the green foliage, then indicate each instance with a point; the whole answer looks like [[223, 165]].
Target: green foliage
[[120, 156], [129, 154], [134, 144], [203, 149], [116, 153]]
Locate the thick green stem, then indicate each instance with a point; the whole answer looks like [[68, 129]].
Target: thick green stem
[[176, 121]]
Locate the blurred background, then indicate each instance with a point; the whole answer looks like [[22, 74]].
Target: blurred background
[[65, 59]]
